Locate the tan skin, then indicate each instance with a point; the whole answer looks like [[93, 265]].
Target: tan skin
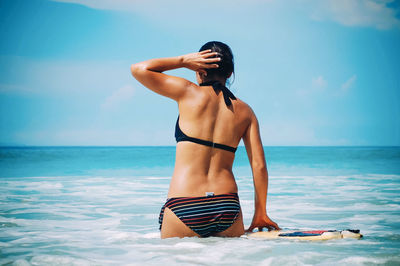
[[204, 115]]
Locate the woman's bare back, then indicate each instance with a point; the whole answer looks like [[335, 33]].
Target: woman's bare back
[[199, 168]]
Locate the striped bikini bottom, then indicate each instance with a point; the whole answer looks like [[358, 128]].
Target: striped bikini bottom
[[205, 215]]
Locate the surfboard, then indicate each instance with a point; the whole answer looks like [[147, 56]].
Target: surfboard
[[307, 235]]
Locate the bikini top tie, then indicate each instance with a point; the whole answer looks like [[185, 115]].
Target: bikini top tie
[[228, 95]]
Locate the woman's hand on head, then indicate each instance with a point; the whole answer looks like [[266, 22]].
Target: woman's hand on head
[[261, 221], [201, 61]]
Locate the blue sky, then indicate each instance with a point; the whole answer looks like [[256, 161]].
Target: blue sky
[[315, 72]]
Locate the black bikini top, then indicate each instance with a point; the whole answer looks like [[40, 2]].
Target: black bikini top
[[180, 136]]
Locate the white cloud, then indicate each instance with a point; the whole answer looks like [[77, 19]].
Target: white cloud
[[98, 134], [52, 77], [368, 13], [348, 84], [13, 88], [287, 133], [118, 97], [168, 15], [106, 4], [365, 13], [133, 5], [319, 82]]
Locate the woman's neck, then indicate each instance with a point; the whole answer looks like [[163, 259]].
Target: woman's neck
[[220, 80]]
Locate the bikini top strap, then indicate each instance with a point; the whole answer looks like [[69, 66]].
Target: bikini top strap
[[180, 136]]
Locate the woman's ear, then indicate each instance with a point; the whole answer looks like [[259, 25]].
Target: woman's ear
[[201, 74], [200, 77]]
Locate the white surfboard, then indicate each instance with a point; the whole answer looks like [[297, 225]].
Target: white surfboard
[[307, 235]]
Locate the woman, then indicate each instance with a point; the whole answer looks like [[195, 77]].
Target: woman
[[202, 197]]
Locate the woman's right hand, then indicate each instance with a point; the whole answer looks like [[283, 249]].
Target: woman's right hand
[[261, 221], [201, 61]]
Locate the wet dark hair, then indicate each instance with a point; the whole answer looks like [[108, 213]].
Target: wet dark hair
[[226, 65]]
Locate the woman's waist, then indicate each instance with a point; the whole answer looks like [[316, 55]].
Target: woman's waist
[[192, 184]]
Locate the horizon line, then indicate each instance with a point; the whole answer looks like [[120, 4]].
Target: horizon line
[[125, 146]]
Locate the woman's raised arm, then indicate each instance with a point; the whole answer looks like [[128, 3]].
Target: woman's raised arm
[[149, 72], [255, 152]]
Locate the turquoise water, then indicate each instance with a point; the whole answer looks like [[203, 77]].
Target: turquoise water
[[100, 205]]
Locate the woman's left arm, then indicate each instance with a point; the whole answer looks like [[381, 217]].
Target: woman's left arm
[[149, 72]]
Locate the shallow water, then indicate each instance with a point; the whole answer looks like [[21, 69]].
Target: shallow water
[[100, 206]]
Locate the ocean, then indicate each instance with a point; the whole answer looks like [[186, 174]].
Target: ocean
[[100, 206]]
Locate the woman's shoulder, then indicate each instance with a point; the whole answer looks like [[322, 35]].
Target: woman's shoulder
[[243, 108]]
